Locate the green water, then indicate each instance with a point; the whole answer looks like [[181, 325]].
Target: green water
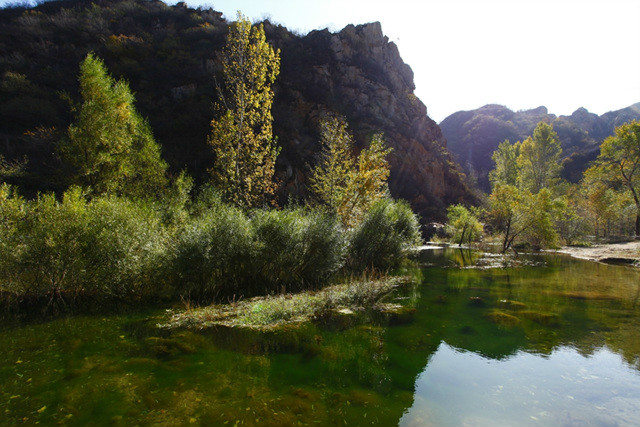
[[547, 340]]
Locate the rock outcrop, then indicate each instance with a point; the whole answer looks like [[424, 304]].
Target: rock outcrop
[[360, 74]]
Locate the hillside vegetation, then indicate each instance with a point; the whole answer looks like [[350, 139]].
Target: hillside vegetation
[[169, 56], [473, 136]]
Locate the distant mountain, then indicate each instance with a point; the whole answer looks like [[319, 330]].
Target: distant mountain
[[473, 136], [168, 55]]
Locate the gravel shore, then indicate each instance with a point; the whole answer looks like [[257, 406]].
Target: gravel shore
[[616, 252]]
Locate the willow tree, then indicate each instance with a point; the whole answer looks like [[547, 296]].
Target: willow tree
[[619, 163], [110, 147], [241, 136]]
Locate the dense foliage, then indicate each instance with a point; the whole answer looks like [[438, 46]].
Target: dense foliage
[[110, 148], [618, 164], [242, 138], [380, 241], [114, 247], [472, 136], [346, 185], [531, 205], [464, 225]]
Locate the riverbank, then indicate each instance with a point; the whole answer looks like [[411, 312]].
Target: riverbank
[[615, 253]]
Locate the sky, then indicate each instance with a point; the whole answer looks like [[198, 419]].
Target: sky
[[563, 54]]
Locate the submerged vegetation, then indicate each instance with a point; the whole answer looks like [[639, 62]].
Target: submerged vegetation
[[267, 312], [530, 334]]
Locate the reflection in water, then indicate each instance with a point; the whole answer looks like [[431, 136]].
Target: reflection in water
[[565, 388], [509, 343]]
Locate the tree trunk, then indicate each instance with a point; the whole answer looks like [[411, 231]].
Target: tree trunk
[[505, 242]]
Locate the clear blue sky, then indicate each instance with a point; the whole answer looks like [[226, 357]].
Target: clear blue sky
[[563, 54]]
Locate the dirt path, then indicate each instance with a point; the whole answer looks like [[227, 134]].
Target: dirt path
[[616, 252]]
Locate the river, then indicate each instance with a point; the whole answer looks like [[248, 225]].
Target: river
[[540, 340]]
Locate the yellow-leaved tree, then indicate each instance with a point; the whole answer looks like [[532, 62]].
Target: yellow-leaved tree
[[346, 185], [241, 136]]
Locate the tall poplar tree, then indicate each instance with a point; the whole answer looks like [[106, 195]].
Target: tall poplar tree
[[241, 136], [330, 177], [347, 186], [110, 146]]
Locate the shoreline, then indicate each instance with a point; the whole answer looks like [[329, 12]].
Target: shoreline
[[612, 253]]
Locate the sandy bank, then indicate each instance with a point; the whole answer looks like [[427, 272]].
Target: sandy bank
[[617, 252]]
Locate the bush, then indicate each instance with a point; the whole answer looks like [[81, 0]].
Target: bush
[[223, 251], [50, 246], [296, 249], [127, 248], [12, 215], [382, 239], [214, 251], [107, 247], [113, 247]]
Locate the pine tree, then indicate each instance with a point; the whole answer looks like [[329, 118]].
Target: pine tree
[[241, 137], [110, 147]]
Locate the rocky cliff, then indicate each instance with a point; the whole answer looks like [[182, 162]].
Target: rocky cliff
[[360, 74], [474, 135], [168, 54]]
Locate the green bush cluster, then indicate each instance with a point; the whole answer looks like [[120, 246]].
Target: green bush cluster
[[224, 250], [381, 240], [114, 247], [107, 247]]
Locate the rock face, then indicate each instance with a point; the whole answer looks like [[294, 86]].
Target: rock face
[[474, 135], [360, 74], [168, 54]]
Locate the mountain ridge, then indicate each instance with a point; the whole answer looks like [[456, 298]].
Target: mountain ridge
[[168, 56], [473, 135]]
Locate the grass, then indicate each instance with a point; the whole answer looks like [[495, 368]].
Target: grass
[[270, 311]]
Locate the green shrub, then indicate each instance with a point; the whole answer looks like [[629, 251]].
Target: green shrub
[[107, 247], [127, 248], [296, 249], [52, 241], [12, 215], [213, 252], [381, 240]]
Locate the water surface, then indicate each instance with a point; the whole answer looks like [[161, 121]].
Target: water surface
[[545, 340]]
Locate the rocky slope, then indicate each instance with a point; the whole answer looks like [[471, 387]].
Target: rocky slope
[[473, 135], [168, 54]]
